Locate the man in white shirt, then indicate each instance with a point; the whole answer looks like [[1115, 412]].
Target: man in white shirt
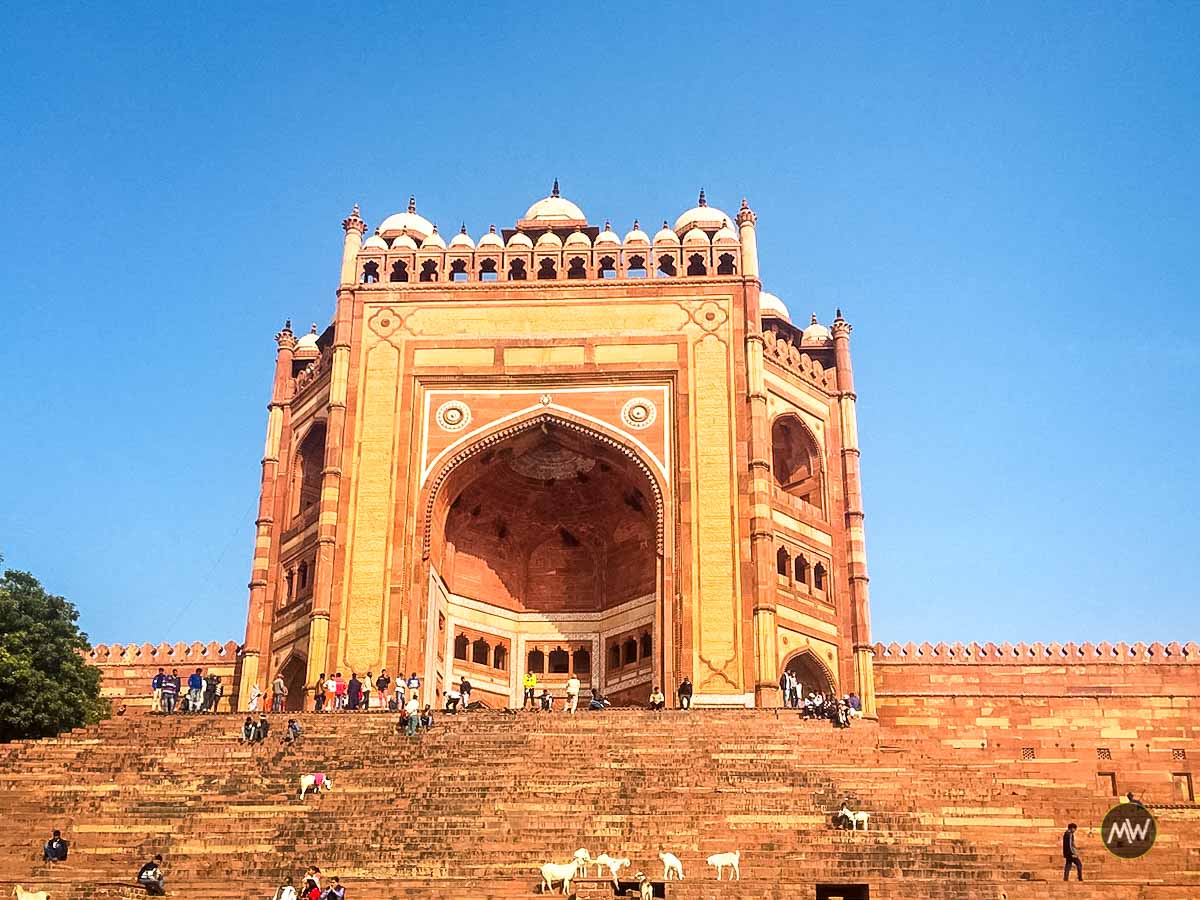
[[572, 693], [413, 710], [330, 691]]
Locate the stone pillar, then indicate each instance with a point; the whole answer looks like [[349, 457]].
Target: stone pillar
[[856, 545], [258, 621], [331, 473], [762, 552]]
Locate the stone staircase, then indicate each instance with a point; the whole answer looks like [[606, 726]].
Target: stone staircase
[[472, 808]]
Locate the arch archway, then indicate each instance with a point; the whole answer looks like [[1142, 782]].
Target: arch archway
[[294, 673], [546, 534], [811, 672]]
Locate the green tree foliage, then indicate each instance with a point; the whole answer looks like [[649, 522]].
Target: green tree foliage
[[46, 687]]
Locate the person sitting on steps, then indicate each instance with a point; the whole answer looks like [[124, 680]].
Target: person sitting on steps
[[55, 849], [598, 701], [546, 701], [293, 732], [685, 694], [427, 717], [658, 700], [248, 730], [150, 876]]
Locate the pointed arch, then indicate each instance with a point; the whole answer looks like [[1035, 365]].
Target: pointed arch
[[811, 671], [797, 464]]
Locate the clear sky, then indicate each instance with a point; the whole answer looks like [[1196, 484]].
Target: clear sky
[[1003, 198]]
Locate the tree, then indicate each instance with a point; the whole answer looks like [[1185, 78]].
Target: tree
[[46, 687]]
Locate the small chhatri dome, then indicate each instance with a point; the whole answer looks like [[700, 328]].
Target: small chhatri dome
[[554, 208], [415, 226], [637, 236], [491, 239], [607, 236], [434, 240], [815, 333], [375, 242], [771, 307], [520, 240], [404, 242], [577, 239], [726, 233], [462, 239], [702, 216], [665, 234], [695, 236], [306, 347], [549, 239]]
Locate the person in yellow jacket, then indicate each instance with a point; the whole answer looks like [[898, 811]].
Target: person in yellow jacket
[[530, 684]]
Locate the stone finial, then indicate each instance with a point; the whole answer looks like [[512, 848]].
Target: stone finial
[[607, 225], [491, 229], [840, 326], [702, 201], [354, 222], [313, 330], [637, 226], [746, 214], [284, 338], [435, 231], [412, 203], [814, 319], [554, 190], [463, 230]]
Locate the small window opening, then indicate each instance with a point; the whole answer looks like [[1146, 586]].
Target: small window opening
[[480, 652], [546, 270], [647, 647], [399, 271], [781, 561], [666, 266], [516, 270], [500, 657], [302, 576], [429, 270], [637, 267], [819, 577], [629, 652], [576, 269], [461, 643], [582, 660], [725, 264], [458, 270], [560, 661], [537, 661], [696, 265], [487, 270], [614, 656], [370, 273], [802, 570]]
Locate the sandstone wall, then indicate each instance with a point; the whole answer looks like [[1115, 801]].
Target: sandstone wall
[[126, 669]]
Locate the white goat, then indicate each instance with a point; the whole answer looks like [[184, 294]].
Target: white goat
[[583, 857], [317, 782], [613, 863], [552, 872], [672, 867], [285, 892], [852, 818], [721, 860], [21, 894]]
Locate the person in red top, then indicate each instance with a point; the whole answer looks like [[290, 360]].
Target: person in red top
[[339, 691]]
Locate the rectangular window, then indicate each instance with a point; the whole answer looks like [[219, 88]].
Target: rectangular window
[[1106, 784], [1182, 789]]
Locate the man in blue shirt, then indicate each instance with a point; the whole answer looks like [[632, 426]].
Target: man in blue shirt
[[170, 691], [156, 685], [195, 690]]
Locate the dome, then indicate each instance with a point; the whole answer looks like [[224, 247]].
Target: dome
[[434, 242], [549, 239], [666, 235], [726, 234], [404, 242], [771, 307], [577, 239], [816, 333], [703, 216], [306, 347], [462, 239], [607, 236], [637, 236], [520, 240], [375, 242], [555, 209], [406, 223], [695, 236], [491, 239]]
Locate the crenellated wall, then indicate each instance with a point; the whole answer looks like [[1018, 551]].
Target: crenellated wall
[[127, 669]]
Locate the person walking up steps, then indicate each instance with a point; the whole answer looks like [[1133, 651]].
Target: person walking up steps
[[1071, 855]]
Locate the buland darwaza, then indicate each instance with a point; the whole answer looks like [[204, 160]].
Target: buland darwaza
[[559, 450]]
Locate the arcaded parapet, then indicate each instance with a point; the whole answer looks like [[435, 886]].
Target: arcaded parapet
[[127, 669], [1024, 654]]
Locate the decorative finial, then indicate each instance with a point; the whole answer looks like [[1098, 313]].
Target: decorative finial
[[354, 222], [354, 212], [637, 225], [287, 324], [314, 328], [839, 313], [814, 319], [491, 229], [745, 203], [435, 231], [554, 190], [746, 214], [666, 225], [607, 225], [703, 202], [463, 230], [412, 203], [284, 338]]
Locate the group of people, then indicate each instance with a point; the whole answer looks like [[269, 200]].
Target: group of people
[[149, 876], [200, 694], [311, 888], [255, 731]]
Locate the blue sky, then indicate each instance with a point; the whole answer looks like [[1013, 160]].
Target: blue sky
[[1003, 198]]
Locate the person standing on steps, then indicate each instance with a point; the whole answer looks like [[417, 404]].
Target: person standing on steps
[[335, 891], [319, 694], [278, 693], [353, 692], [413, 711], [150, 876], [382, 683], [55, 849], [464, 693], [685, 694], [367, 684], [572, 694], [1071, 855], [529, 682], [413, 684], [156, 685], [170, 692], [330, 694], [339, 692], [195, 690]]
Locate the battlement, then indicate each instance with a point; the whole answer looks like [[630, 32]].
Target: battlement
[[1023, 654], [164, 653], [127, 669]]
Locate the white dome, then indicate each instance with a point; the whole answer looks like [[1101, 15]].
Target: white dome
[[520, 240], [375, 242], [771, 307], [577, 239], [726, 234], [695, 236], [462, 239], [307, 347], [549, 239], [491, 239], [666, 236], [406, 223], [555, 209], [607, 236], [816, 333], [404, 242], [434, 242], [637, 236], [703, 216]]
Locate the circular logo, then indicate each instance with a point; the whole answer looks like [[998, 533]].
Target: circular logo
[[1128, 830], [453, 415], [639, 413]]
